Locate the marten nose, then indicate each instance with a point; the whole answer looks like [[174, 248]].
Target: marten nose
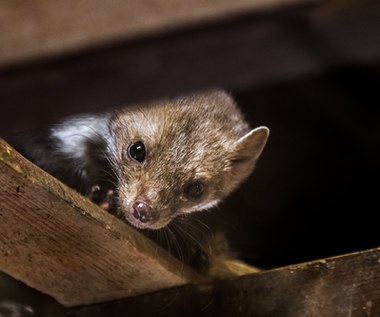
[[143, 212]]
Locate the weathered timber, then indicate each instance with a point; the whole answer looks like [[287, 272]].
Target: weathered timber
[[60, 243], [334, 287]]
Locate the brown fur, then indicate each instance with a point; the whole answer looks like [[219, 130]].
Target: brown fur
[[199, 137]]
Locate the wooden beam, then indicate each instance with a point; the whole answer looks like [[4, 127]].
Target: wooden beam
[[35, 30], [335, 287], [60, 243]]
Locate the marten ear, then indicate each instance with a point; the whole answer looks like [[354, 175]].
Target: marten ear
[[250, 146]]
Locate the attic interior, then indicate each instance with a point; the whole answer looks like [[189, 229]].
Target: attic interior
[[308, 70]]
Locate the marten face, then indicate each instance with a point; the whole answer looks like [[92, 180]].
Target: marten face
[[180, 156]]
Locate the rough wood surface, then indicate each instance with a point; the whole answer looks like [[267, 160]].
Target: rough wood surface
[[58, 242], [39, 28], [344, 286]]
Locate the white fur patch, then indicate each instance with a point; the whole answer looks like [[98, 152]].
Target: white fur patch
[[73, 134]]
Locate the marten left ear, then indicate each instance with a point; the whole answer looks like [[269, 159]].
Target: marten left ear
[[250, 146]]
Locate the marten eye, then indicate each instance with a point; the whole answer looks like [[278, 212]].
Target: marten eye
[[137, 152], [194, 189]]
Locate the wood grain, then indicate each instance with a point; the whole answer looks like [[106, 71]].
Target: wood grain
[[60, 243], [344, 286]]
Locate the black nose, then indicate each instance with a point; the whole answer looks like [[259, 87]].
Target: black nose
[[143, 212]]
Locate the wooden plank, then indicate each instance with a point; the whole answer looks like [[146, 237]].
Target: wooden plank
[[39, 28], [60, 243], [335, 287]]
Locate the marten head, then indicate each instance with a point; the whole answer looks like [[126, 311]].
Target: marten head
[[181, 155]]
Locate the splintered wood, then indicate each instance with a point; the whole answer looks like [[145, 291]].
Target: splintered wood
[[57, 241]]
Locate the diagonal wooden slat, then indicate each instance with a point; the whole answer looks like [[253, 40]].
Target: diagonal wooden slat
[[60, 243]]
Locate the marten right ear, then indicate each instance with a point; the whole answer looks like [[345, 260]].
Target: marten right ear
[[248, 148]]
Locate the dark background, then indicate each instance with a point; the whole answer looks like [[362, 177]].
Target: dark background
[[314, 192], [311, 76]]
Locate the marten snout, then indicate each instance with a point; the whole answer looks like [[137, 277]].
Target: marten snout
[[144, 212]]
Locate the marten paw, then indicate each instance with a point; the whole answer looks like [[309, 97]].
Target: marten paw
[[104, 197]]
